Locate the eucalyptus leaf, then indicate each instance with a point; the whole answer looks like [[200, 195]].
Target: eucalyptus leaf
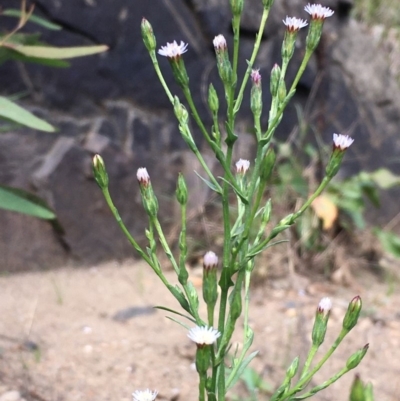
[[18, 200], [12, 111]]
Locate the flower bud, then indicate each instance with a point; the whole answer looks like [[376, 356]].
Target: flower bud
[[357, 357], [256, 93], [292, 370], [213, 101], [268, 164], [275, 77], [180, 111], [267, 4], [281, 91], [181, 190], [352, 314], [242, 166], [236, 6], [293, 25], [149, 199], [210, 284], [223, 63], [99, 172], [321, 321], [357, 390], [148, 36]]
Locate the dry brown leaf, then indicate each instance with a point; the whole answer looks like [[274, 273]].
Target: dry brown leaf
[[326, 210]]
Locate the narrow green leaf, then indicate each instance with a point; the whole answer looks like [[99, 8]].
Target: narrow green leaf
[[12, 111], [177, 321], [389, 241], [12, 12], [176, 312], [18, 200], [208, 183], [9, 54], [59, 53], [241, 369]]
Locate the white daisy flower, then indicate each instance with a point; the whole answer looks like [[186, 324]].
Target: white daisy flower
[[145, 395], [325, 305], [143, 176], [294, 24], [342, 142], [173, 50], [318, 12], [203, 335], [219, 42], [242, 166]]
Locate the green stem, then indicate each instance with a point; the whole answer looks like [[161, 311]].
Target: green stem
[[239, 98], [202, 386], [160, 76], [322, 386], [303, 381], [309, 360], [300, 72]]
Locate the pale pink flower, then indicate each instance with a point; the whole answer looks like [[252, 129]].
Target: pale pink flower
[[242, 166], [219, 42], [143, 176], [210, 260], [294, 24], [318, 12], [173, 50], [342, 142]]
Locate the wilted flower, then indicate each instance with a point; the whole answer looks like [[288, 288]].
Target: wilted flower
[[143, 176], [210, 260], [324, 306], [318, 12], [203, 335], [173, 50], [294, 24], [145, 395], [256, 77], [341, 142], [219, 42], [242, 166]]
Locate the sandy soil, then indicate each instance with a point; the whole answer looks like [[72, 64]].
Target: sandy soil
[[66, 335]]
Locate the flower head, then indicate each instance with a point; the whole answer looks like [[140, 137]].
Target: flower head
[[203, 335], [325, 306], [143, 176], [294, 24], [219, 42], [145, 395], [341, 142], [210, 260], [173, 50], [256, 77], [318, 12], [242, 166]]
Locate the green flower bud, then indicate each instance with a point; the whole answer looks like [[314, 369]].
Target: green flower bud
[[352, 314], [99, 172], [357, 357], [213, 101], [275, 77], [369, 392], [236, 304], [210, 284], [292, 370], [174, 52], [236, 6], [268, 164], [267, 4], [357, 390], [181, 190], [223, 63], [180, 112], [282, 92], [149, 199], [340, 145], [321, 321], [256, 94], [148, 36]]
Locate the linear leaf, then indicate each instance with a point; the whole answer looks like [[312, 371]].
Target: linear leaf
[[58, 53], [12, 12], [12, 111], [18, 200]]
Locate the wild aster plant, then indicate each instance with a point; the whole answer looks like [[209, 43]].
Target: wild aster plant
[[247, 237]]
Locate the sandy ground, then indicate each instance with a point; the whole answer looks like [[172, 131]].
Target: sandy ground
[[66, 335]]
